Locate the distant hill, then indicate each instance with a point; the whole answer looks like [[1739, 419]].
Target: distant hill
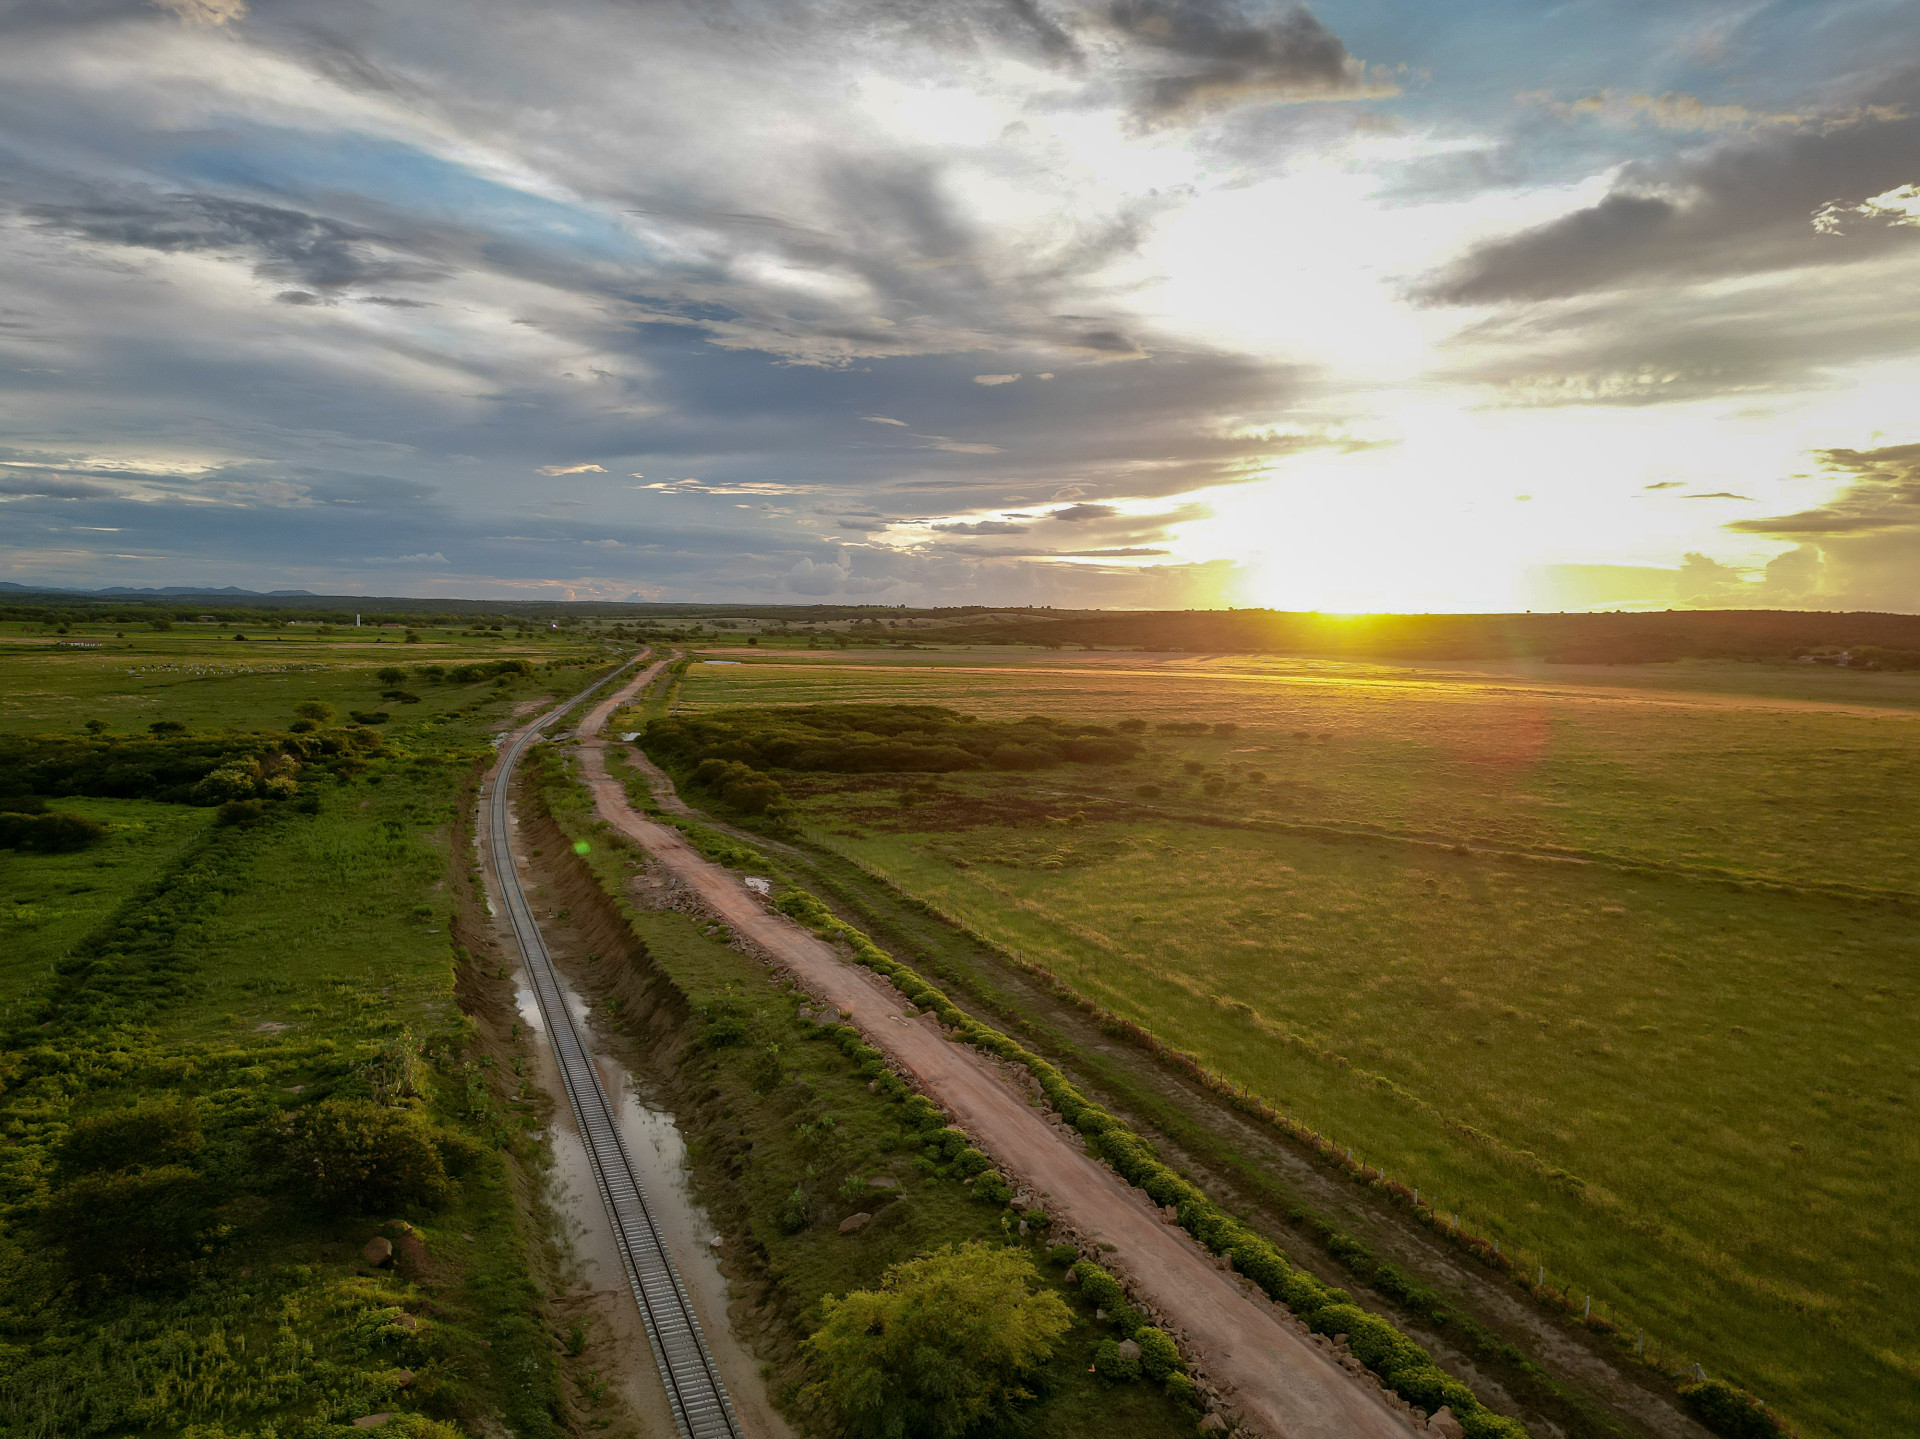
[[119, 590], [1864, 639]]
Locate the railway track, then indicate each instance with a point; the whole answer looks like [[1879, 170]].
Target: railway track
[[695, 1393]]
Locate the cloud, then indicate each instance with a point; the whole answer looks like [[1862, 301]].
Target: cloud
[[813, 577], [1670, 111], [321, 253], [555, 470], [1080, 514], [995, 379], [1881, 497], [205, 12], [1717, 495], [1123, 552], [1739, 207], [48, 486], [959, 447], [1196, 54], [1864, 543], [1898, 206], [979, 527], [883, 420], [1664, 485]]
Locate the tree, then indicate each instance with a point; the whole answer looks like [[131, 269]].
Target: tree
[[941, 1349], [319, 711], [390, 675]]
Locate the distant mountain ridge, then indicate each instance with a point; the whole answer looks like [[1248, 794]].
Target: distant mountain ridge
[[121, 591]]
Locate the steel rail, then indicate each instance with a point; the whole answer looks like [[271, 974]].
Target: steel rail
[[698, 1398]]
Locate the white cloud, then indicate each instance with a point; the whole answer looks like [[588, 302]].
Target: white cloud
[[881, 420], [996, 379], [572, 470]]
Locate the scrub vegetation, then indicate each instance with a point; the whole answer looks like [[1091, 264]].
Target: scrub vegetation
[[1612, 976], [233, 1058]]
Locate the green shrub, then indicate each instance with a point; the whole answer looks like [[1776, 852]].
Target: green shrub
[[241, 812], [726, 1025], [354, 1156], [795, 1213], [992, 1188], [970, 1161], [55, 833], [1159, 1355], [139, 1226], [945, 1347], [153, 1134], [1063, 1254], [1180, 1387], [1112, 1365], [1729, 1411]]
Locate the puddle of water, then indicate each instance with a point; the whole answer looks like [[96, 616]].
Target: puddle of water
[[658, 1155]]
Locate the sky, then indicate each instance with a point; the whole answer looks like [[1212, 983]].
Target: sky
[[1374, 305]]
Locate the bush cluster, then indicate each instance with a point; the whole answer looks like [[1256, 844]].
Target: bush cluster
[[46, 833], [130, 1206], [172, 766], [740, 785], [874, 739], [358, 1157]]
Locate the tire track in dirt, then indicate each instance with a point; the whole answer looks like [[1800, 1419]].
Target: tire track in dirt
[[1261, 1359]]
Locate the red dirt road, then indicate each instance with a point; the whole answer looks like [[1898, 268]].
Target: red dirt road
[[1263, 1363]]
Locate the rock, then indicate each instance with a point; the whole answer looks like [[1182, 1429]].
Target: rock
[[402, 1378], [407, 1322], [1170, 1214], [1213, 1424], [410, 1255], [1129, 1350], [378, 1253], [882, 1182], [854, 1223], [371, 1421], [1445, 1425]]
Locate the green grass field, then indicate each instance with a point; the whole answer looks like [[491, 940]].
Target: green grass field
[[1691, 1100], [250, 969]]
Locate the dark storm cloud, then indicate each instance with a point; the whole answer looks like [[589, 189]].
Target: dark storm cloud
[[1080, 514], [1745, 205], [1217, 50]]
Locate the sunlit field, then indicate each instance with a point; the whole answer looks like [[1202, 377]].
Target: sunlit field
[[1390, 904]]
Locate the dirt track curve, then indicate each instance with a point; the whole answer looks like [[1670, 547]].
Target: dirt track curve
[[1263, 1362]]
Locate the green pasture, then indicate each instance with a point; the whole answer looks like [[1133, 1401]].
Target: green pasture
[[252, 968], [1691, 1099], [205, 680], [48, 902], [1771, 786]]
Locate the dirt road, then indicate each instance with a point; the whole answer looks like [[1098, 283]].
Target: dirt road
[[1263, 1362]]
